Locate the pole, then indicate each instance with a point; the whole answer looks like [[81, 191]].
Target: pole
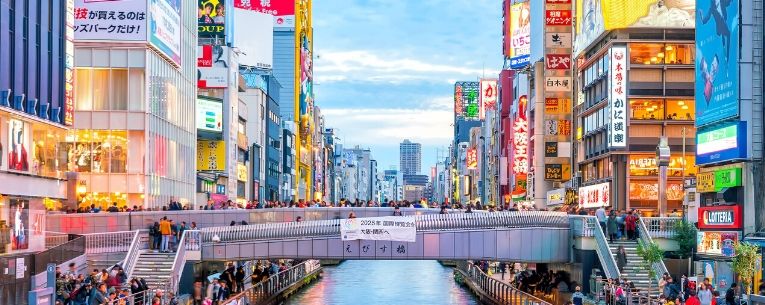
[[685, 207]]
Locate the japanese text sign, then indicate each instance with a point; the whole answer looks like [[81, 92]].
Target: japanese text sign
[[558, 17], [558, 83], [121, 20], [617, 136], [392, 228], [558, 40], [558, 61], [471, 158]]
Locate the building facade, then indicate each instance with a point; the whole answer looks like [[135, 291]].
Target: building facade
[[410, 155]]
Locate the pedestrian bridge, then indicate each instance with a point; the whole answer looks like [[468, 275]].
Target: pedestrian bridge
[[539, 237]]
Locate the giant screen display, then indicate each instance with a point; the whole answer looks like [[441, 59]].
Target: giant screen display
[[717, 45], [520, 35]]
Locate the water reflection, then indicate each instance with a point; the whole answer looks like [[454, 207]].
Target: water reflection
[[384, 282]]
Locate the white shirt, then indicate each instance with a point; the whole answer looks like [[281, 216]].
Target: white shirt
[[601, 214]]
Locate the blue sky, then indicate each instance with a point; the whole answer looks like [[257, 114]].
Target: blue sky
[[385, 69]]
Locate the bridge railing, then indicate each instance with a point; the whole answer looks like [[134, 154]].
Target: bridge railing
[[659, 267], [661, 227], [53, 239], [500, 292], [275, 284], [423, 223], [109, 242]]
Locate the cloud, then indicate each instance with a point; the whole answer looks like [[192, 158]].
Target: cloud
[[389, 126], [368, 66]]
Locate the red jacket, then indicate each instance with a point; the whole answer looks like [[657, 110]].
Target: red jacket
[[630, 222], [693, 300]]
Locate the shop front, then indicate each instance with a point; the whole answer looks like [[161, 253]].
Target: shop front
[[719, 230], [643, 182]]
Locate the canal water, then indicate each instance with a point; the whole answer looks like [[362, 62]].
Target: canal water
[[384, 283]]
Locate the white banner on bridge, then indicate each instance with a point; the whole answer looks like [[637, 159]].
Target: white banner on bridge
[[394, 228]]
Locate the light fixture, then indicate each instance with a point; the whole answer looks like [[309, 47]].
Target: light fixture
[[654, 59], [647, 62], [668, 48], [680, 103], [685, 107], [645, 103], [660, 55]]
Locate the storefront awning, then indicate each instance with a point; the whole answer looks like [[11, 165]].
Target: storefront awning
[[759, 241]]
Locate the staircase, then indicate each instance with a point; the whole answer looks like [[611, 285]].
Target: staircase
[[155, 268], [634, 270]]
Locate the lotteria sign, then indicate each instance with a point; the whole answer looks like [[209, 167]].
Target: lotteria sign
[[721, 144], [720, 217]]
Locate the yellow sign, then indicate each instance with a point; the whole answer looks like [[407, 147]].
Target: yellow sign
[[211, 155], [705, 182], [241, 172]]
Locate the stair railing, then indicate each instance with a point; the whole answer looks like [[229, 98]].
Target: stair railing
[[189, 241], [610, 269], [128, 264], [644, 239]]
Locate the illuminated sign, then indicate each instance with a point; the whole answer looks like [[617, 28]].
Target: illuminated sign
[[557, 172], [458, 99], [469, 100], [554, 105], [705, 182], [595, 196], [211, 155], [558, 61], [471, 158], [617, 131], [119, 21], [68, 107], [557, 127], [556, 197], [241, 172], [558, 83], [721, 144], [520, 140], [720, 217], [165, 27], [212, 18], [209, 115], [642, 190], [520, 29], [717, 243], [645, 165], [558, 17], [488, 96], [729, 177], [282, 10]]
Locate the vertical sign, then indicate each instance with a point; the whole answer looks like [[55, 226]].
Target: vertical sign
[[68, 107], [458, 99], [488, 96], [617, 131], [520, 35]]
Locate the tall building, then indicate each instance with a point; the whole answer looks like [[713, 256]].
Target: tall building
[[410, 157], [36, 109], [133, 94], [356, 172]]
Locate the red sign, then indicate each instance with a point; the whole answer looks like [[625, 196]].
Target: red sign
[[273, 7], [558, 17], [558, 1], [720, 217], [520, 139], [558, 61], [472, 158]]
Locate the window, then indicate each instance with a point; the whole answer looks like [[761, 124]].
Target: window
[[646, 109], [119, 89], [647, 53], [241, 127], [681, 110], [679, 54], [83, 89], [97, 151]]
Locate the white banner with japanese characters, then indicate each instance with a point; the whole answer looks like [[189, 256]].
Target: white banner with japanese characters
[[617, 133], [118, 20], [393, 228]]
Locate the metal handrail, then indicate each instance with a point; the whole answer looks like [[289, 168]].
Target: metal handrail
[[610, 269], [180, 257], [275, 284], [432, 222], [581, 227], [499, 291], [53, 239], [644, 239], [131, 257], [109, 242], [661, 227]]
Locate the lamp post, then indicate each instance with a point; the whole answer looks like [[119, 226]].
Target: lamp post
[[483, 170]]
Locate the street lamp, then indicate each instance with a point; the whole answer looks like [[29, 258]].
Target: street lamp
[[483, 169], [662, 158]]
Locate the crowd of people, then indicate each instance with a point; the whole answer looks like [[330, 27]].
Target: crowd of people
[[166, 234], [232, 280], [104, 287]]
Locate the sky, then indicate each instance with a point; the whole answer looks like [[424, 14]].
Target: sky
[[384, 70]]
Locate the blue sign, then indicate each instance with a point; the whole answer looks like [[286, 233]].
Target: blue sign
[[717, 48], [721, 143], [520, 61]]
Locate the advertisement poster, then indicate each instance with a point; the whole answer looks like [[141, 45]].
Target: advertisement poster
[[716, 243], [19, 217], [650, 191], [212, 66], [721, 144], [595, 196], [18, 159], [488, 96], [520, 40], [717, 48], [306, 88], [120, 20], [392, 228], [471, 158], [211, 155], [212, 18], [165, 27], [209, 115], [282, 10]]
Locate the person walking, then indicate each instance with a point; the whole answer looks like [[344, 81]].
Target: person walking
[[166, 231], [630, 223], [621, 258], [730, 295], [600, 213], [704, 295], [239, 279], [611, 226]]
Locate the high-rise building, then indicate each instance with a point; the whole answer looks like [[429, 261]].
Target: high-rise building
[[134, 91], [410, 157]]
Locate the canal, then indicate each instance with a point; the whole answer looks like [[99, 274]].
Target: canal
[[384, 283]]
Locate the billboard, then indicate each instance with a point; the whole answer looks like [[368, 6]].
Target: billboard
[[594, 17], [19, 220], [212, 66], [458, 102], [558, 83], [471, 158], [120, 20], [211, 155], [254, 36], [721, 144], [165, 28], [212, 18], [617, 128], [595, 196], [18, 145], [520, 139], [558, 17], [717, 75], [520, 35], [209, 115], [488, 96], [468, 100], [282, 10], [306, 88]]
